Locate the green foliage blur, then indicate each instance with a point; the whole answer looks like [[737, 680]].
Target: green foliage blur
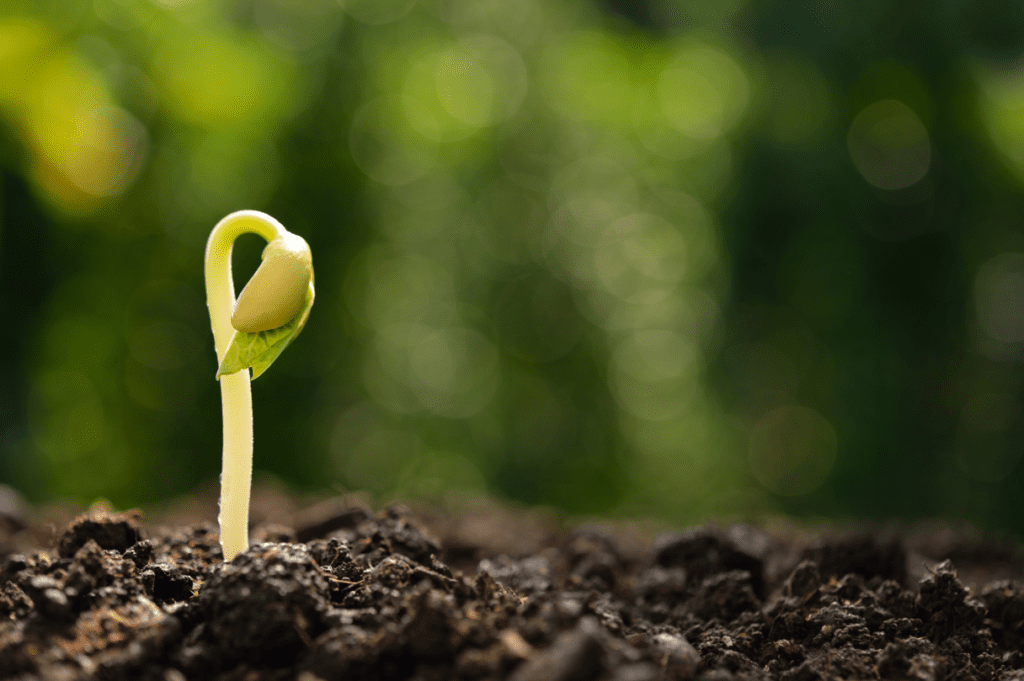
[[685, 260]]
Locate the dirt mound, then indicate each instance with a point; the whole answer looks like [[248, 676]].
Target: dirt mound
[[403, 595]]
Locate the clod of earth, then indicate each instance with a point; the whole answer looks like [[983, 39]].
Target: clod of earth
[[400, 595]]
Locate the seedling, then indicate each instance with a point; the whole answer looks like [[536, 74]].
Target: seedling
[[250, 332]]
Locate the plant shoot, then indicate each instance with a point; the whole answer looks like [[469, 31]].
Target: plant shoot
[[250, 333]]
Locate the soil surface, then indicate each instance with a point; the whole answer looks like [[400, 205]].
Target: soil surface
[[337, 591]]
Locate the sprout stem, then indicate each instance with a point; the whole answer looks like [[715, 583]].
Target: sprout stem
[[235, 391]]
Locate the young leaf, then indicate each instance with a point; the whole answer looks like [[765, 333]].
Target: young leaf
[[259, 350]]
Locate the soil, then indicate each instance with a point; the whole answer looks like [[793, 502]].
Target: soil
[[337, 591]]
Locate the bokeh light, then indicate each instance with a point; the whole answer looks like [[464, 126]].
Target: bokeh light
[[792, 450], [702, 92], [690, 260], [889, 145], [999, 298]]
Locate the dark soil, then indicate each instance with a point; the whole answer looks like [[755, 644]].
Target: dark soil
[[339, 593]]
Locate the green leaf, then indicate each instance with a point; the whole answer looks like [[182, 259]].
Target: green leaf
[[259, 350]]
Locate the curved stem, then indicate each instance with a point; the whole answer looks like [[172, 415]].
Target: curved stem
[[235, 391]]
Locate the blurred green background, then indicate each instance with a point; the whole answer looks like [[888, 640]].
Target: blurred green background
[[677, 259]]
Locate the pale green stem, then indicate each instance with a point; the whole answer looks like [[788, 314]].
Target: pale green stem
[[235, 391]]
